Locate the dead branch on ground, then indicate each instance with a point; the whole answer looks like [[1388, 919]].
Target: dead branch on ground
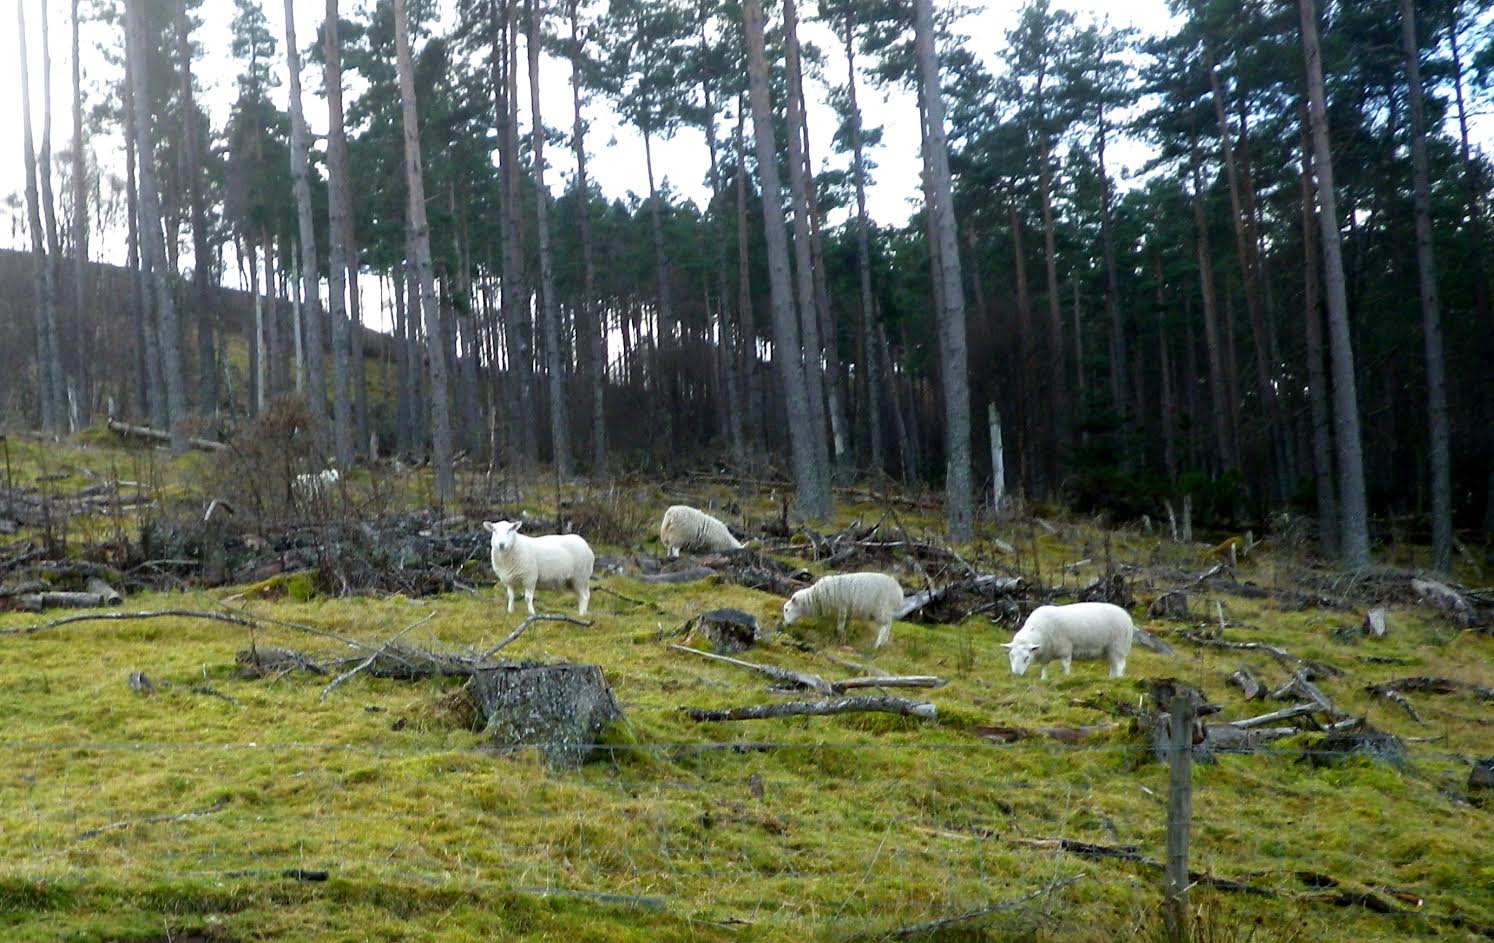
[[842, 705]]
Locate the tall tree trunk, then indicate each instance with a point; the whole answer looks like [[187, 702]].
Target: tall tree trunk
[[747, 349], [953, 358], [1118, 355], [1056, 405], [906, 459], [43, 287], [359, 378], [812, 486], [257, 359], [339, 226], [666, 394], [1317, 379], [274, 340], [1218, 377], [80, 216], [404, 437], [59, 372], [1431, 316], [420, 237], [207, 358], [591, 313], [731, 408], [151, 401], [560, 433], [152, 249], [1471, 189], [1353, 513], [1243, 226], [300, 146], [809, 322], [870, 357]]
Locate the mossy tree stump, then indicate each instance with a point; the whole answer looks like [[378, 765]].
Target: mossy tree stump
[[559, 709]]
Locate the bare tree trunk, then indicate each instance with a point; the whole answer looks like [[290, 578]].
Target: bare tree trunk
[[1353, 510], [664, 338], [257, 359], [812, 486], [1471, 190], [152, 249], [59, 373], [315, 378], [207, 358], [43, 284], [356, 356], [1056, 404], [151, 401], [80, 218], [1218, 378], [1438, 453], [560, 433], [870, 355], [899, 425], [339, 226], [274, 342], [809, 322], [747, 353], [1317, 379], [420, 236], [591, 313], [953, 358], [1118, 355]]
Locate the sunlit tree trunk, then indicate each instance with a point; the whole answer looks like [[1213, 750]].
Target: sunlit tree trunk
[[1317, 378], [339, 226], [315, 381], [870, 359]]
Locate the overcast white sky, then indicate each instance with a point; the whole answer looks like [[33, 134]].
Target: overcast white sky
[[618, 153]]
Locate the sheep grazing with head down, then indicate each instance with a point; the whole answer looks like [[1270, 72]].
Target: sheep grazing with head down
[[549, 561], [685, 528], [1085, 630], [313, 484], [875, 597]]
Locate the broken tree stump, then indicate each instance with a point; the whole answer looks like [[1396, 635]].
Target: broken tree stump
[[1170, 605], [1245, 681], [726, 631], [1374, 623], [559, 709], [1481, 782], [1365, 741]]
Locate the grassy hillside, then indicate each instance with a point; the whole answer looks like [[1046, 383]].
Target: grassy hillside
[[201, 810]]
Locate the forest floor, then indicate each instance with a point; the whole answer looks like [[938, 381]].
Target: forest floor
[[223, 805]]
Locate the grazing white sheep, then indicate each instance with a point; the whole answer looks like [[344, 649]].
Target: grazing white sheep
[[312, 484], [872, 596], [1084, 630], [685, 528], [527, 562]]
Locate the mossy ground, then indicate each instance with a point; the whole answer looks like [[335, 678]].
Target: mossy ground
[[864, 823]]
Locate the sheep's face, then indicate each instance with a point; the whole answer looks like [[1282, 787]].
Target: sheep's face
[[504, 533], [1021, 654], [793, 609]]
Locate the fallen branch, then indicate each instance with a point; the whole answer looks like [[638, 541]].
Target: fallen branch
[[929, 926], [250, 622], [149, 820], [889, 681], [156, 435], [842, 705], [1271, 718], [1300, 687], [796, 678], [537, 617], [1314, 667], [629, 599], [370, 659], [984, 583], [682, 576]]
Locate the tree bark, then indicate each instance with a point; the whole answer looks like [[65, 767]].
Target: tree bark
[[153, 250], [560, 433], [1353, 511], [870, 356], [813, 490], [1218, 377], [1118, 355], [44, 286], [420, 237], [80, 215], [339, 226], [207, 358], [1437, 431], [747, 349], [953, 358], [315, 382], [591, 314]]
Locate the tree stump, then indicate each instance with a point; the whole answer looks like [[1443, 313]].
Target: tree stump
[[725, 631], [1366, 741], [1170, 605], [1481, 782], [1374, 623], [560, 709]]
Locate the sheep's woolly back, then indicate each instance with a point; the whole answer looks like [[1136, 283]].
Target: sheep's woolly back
[[874, 596], [686, 528], [1082, 629]]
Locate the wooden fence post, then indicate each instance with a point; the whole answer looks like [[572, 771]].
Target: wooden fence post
[[1179, 817]]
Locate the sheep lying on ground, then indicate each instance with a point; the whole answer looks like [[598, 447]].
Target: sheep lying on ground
[[872, 596], [527, 562], [1084, 630], [312, 484], [685, 528]]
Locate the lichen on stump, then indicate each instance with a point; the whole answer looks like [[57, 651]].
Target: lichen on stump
[[559, 709]]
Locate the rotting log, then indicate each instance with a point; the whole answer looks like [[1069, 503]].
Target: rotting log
[[560, 709], [1245, 681], [691, 575], [1274, 717], [842, 705], [156, 435]]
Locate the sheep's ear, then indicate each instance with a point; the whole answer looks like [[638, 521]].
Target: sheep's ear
[[490, 527], [515, 526], [1008, 645]]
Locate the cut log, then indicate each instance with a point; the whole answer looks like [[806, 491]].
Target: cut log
[[1228, 738], [104, 591], [1150, 642], [1169, 605], [69, 600], [726, 631], [841, 705], [1374, 623], [1245, 681], [1300, 687], [889, 681], [559, 709], [156, 435], [1446, 598], [260, 661], [1274, 717]]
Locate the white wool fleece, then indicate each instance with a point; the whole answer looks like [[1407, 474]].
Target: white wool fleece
[[1091, 631], [871, 596], [550, 561], [686, 528]]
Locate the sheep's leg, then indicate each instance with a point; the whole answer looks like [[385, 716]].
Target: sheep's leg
[[674, 551], [529, 597], [1068, 664], [840, 629], [1044, 675], [884, 632], [510, 598], [583, 596], [1118, 666]]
